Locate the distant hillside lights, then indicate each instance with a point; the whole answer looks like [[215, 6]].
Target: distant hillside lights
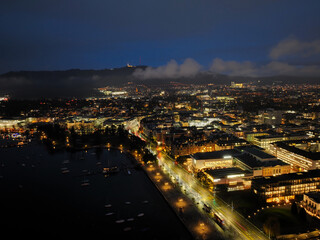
[[4, 99], [81, 127], [12, 124], [237, 85], [113, 92]]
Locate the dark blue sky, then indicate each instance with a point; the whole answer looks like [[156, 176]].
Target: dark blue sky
[[96, 34]]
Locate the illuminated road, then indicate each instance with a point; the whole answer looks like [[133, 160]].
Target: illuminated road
[[235, 224], [241, 228]]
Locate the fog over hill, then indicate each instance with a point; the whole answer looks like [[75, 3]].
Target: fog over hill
[[82, 83]]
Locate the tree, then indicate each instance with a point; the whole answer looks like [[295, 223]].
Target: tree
[[98, 140], [122, 133], [272, 226], [148, 157], [204, 179], [27, 133], [302, 215], [73, 137], [294, 208], [181, 159], [151, 138]]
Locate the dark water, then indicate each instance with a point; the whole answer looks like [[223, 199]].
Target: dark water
[[40, 201]]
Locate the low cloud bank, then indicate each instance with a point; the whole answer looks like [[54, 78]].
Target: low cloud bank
[[34, 88], [172, 69], [289, 48], [273, 68], [292, 47]]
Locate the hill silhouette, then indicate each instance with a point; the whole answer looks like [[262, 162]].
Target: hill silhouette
[[82, 83]]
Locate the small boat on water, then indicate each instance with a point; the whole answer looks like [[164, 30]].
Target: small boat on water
[[109, 213], [66, 161], [129, 172], [127, 229], [140, 214], [114, 169], [108, 205], [128, 203], [120, 221], [146, 201], [130, 219], [65, 170], [144, 229], [85, 182]]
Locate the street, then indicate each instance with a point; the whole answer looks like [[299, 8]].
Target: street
[[235, 224]]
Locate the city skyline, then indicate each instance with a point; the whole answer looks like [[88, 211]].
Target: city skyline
[[231, 161], [173, 119]]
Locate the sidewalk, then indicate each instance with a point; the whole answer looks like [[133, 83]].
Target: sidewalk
[[198, 223]]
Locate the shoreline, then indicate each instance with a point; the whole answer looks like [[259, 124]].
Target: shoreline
[[168, 202]]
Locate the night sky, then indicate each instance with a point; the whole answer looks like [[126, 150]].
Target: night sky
[[181, 37]]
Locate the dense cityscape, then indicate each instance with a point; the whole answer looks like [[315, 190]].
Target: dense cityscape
[[244, 157], [160, 120]]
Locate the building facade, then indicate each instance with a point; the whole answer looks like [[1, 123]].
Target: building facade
[[217, 159], [286, 187], [311, 203], [299, 158]]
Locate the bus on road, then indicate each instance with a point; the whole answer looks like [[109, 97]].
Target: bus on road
[[219, 220]]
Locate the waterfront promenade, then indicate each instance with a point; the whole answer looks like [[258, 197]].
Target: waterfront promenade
[[236, 226], [188, 210]]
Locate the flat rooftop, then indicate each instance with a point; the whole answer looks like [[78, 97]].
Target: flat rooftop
[[280, 136], [314, 195], [287, 145], [215, 154], [269, 136], [253, 162], [257, 153]]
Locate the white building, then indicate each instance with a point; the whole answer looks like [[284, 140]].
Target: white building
[[217, 159]]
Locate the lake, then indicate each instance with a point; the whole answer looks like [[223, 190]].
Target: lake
[[65, 194]]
